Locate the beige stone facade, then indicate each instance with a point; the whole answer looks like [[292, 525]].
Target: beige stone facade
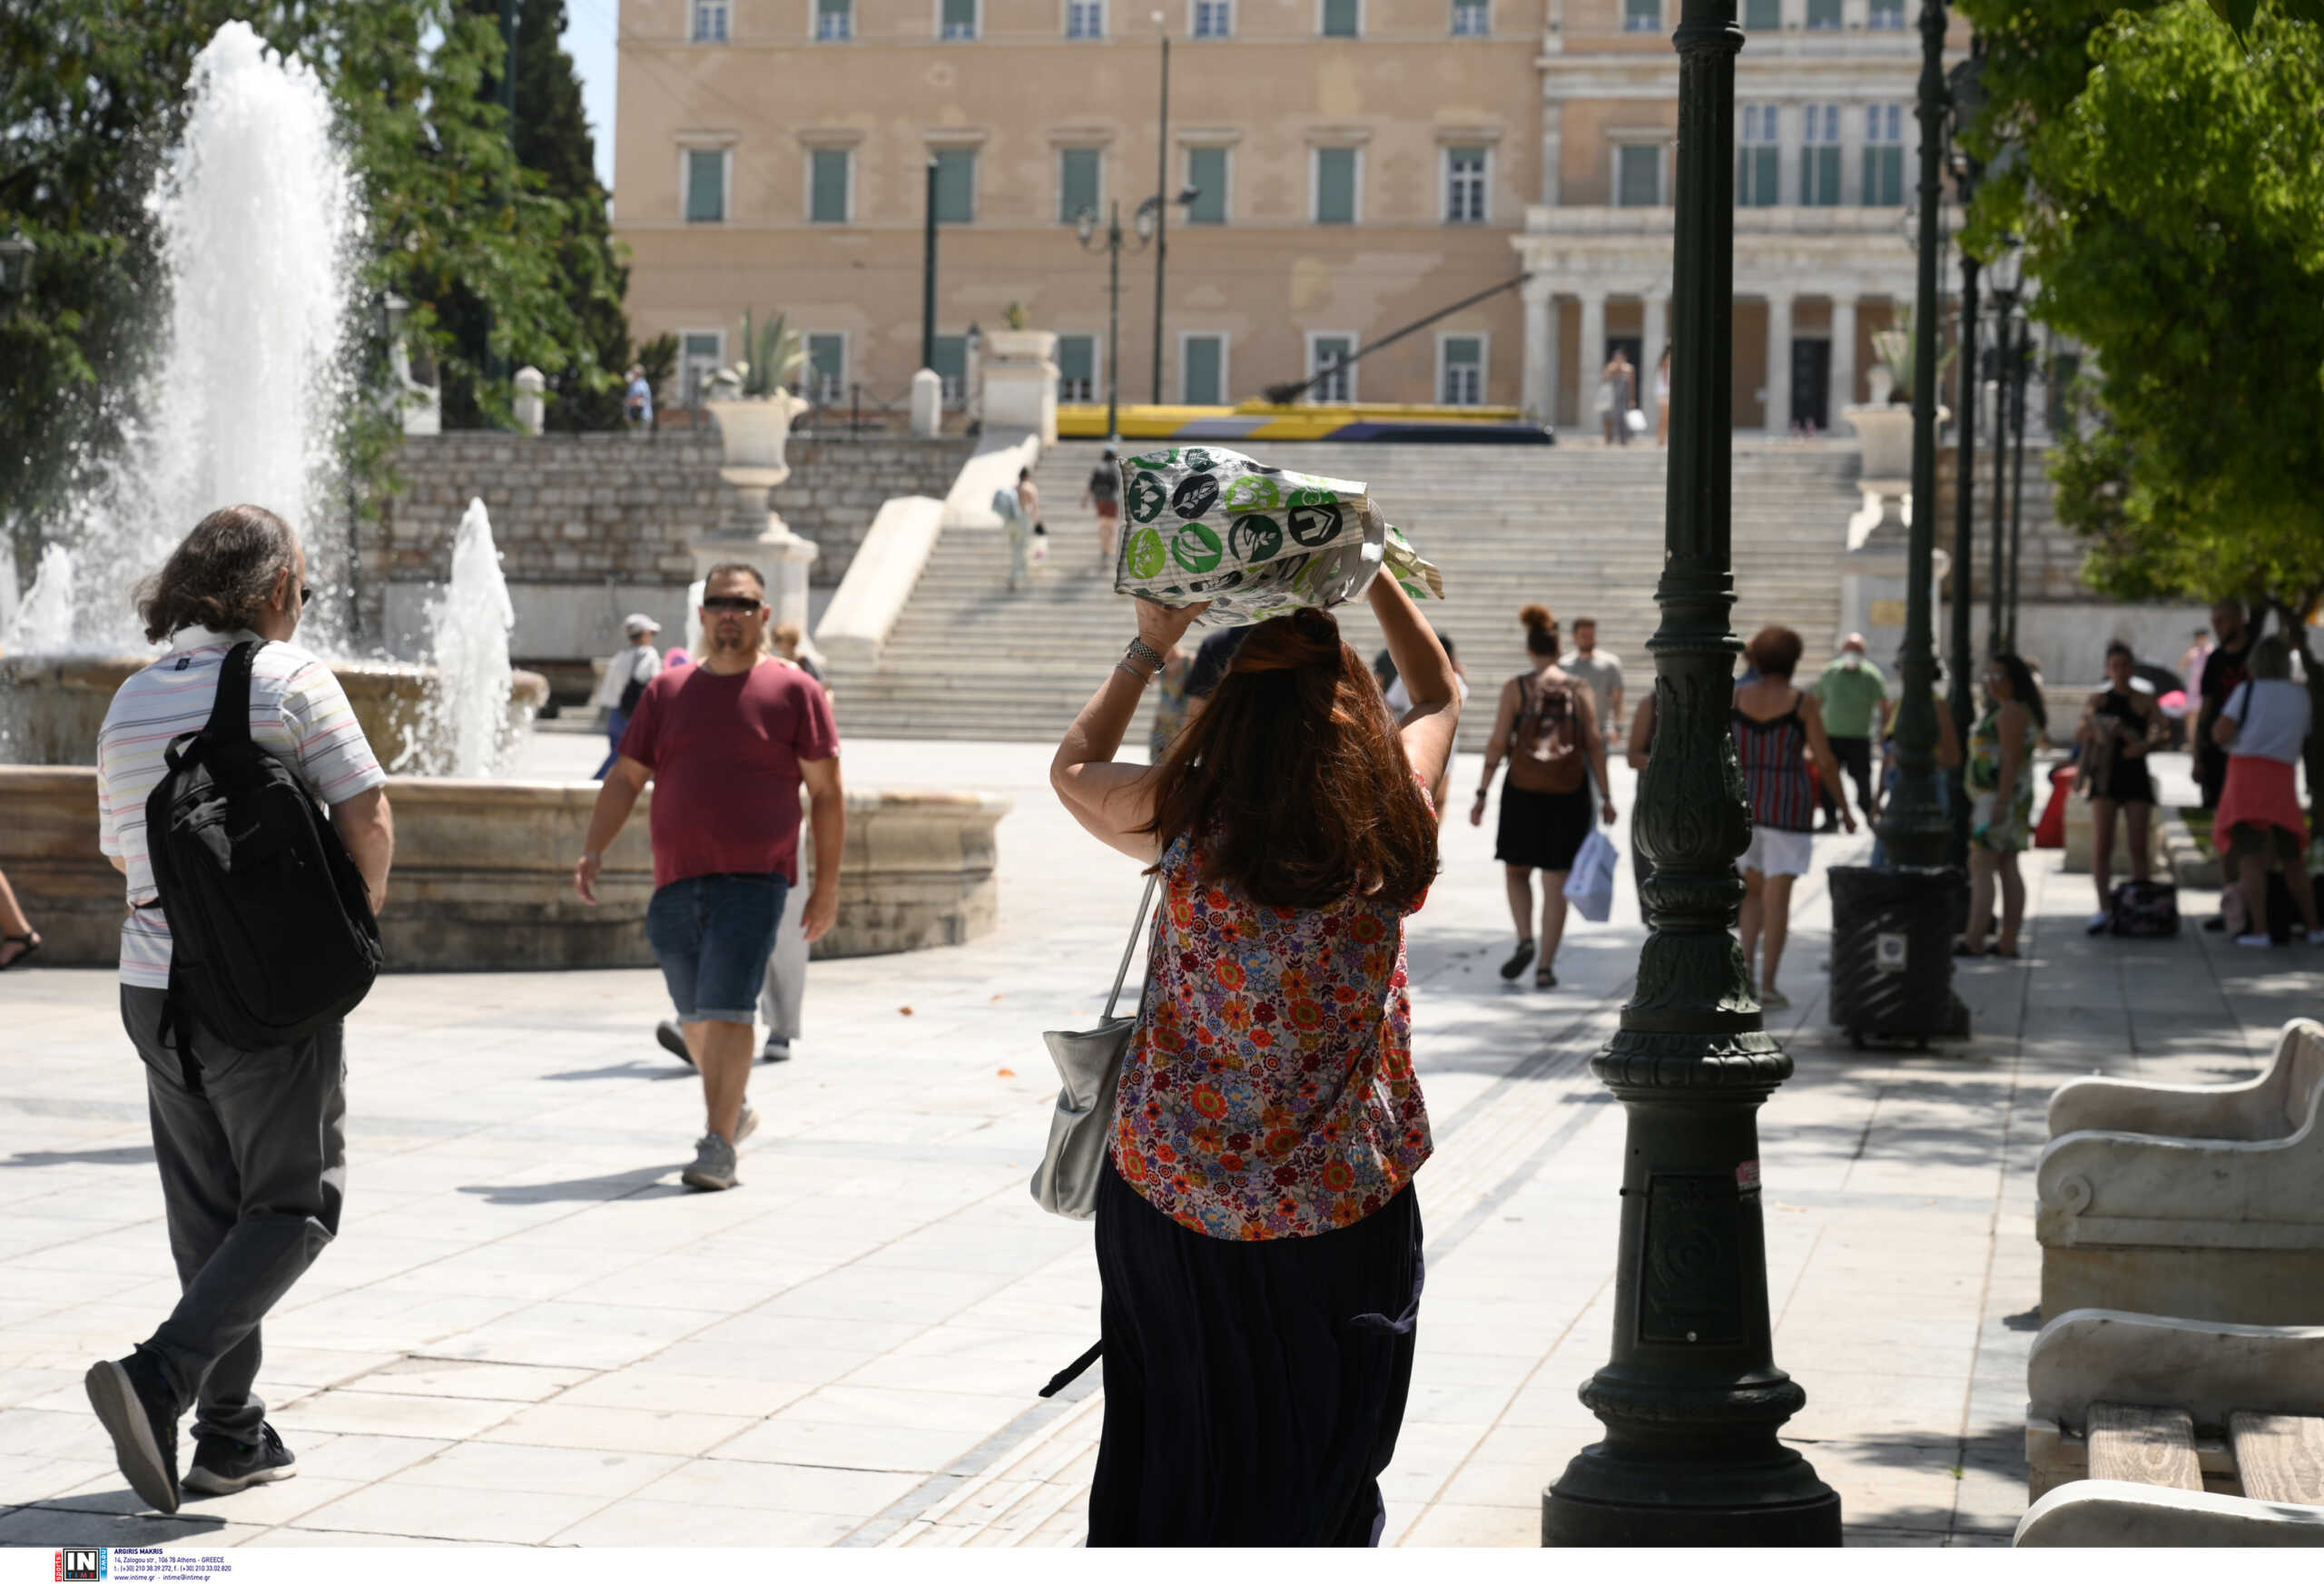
[[774, 155]]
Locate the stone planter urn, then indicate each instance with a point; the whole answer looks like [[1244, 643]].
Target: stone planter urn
[[754, 431], [1886, 432]]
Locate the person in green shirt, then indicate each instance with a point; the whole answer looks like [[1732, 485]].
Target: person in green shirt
[[1854, 697]]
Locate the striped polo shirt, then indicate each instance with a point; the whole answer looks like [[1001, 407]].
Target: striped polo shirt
[[298, 714]]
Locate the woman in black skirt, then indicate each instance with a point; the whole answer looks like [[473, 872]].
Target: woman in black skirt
[[1548, 730], [1258, 1243], [2119, 726]]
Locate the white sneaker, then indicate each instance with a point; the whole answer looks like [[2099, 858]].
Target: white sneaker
[[2254, 940]]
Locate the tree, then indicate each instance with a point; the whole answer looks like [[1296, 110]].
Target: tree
[[2172, 213]]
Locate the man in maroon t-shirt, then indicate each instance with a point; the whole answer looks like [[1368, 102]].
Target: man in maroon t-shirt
[[726, 741]]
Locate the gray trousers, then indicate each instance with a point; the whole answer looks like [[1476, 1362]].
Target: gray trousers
[[786, 974], [253, 1150]]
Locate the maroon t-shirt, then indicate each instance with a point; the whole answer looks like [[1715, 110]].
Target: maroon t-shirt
[[725, 752]]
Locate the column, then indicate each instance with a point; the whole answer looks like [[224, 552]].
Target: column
[[1541, 390], [1552, 148], [1843, 359], [1650, 339], [1590, 358], [1778, 363]]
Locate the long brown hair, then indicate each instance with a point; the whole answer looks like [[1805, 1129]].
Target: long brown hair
[[1294, 778], [221, 576]]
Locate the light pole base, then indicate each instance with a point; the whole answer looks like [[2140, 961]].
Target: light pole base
[[1605, 1500]]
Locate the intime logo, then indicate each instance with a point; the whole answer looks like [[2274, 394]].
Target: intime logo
[[81, 1562]]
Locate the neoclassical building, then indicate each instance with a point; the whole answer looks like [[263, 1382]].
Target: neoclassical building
[[1355, 166]]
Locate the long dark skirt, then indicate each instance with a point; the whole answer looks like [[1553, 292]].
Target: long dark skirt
[[1254, 1390]]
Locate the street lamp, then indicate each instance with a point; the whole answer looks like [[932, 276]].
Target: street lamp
[[1161, 219], [2007, 273], [2021, 371], [1085, 226], [1691, 1398], [1968, 93]]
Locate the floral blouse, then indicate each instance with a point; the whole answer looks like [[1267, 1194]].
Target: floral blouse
[[1268, 1090]]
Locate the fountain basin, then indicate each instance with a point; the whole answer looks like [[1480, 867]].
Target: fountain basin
[[52, 706], [484, 873]]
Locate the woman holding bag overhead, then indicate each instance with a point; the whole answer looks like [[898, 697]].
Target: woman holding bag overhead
[[1258, 1239]]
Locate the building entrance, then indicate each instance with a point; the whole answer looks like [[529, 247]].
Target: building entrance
[[1811, 384]]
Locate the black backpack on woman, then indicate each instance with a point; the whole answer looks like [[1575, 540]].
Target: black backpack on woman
[[272, 926]]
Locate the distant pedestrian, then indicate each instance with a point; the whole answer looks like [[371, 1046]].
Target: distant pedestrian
[[1662, 398], [637, 401], [2120, 726], [1638, 752], [1601, 669], [1029, 502], [18, 939], [1948, 759], [1778, 730], [1854, 696], [2226, 668], [2190, 664], [1400, 702], [1016, 530], [1105, 493], [2262, 726], [2000, 780], [1547, 728], [633, 665], [788, 641], [252, 1144], [1258, 1237], [727, 742], [1619, 391]]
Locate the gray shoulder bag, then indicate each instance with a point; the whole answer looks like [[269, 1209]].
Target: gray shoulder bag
[[1090, 1063]]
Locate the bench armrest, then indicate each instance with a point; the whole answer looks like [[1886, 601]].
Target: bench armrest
[[2250, 1110], [2210, 1368]]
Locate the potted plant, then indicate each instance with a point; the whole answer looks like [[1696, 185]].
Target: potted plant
[[754, 405], [1886, 424]]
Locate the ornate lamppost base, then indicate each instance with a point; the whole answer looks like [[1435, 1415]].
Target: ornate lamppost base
[[1605, 1500]]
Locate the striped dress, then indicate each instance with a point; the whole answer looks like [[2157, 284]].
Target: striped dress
[[298, 714], [1775, 769]]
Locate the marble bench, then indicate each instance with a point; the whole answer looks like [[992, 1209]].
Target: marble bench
[[2203, 1201], [2146, 1431]]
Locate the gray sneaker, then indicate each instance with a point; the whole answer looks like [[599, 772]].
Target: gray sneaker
[[747, 1125], [713, 1163]]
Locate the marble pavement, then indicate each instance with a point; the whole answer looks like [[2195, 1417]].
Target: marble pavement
[[528, 1333]]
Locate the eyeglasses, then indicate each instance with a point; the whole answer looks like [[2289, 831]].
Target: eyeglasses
[[741, 604]]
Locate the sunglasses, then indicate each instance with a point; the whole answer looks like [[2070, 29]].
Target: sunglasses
[[740, 603]]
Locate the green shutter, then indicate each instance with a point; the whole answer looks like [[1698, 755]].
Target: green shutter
[[1199, 371], [1077, 185], [827, 203], [1642, 15], [1077, 359], [951, 354], [1762, 15], [705, 185], [1339, 18], [956, 186], [1824, 13], [1206, 173], [827, 356], [960, 18], [1828, 177], [1641, 172], [1335, 186]]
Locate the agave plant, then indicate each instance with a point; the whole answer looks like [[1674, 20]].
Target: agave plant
[[772, 356], [1896, 348]]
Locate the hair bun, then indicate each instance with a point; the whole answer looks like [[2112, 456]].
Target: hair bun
[[1536, 617]]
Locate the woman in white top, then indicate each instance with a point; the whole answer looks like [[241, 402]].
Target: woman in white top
[[2260, 819]]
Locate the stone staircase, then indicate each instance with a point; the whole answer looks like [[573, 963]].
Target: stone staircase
[[1577, 529]]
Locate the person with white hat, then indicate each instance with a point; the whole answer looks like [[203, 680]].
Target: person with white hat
[[626, 674]]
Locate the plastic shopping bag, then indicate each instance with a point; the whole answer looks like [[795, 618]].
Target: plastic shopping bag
[[1590, 884], [1255, 541]]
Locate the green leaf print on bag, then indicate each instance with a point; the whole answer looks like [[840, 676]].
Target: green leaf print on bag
[[1195, 548], [1254, 538], [1147, 557], [1254, 492], [1200, 460], [1147, 498]]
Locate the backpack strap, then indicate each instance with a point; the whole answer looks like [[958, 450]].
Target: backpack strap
[[230, 711]]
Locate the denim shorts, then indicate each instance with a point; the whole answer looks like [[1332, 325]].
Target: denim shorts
[[712, 934]]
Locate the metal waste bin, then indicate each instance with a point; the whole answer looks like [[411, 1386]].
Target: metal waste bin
[[1892, 954]]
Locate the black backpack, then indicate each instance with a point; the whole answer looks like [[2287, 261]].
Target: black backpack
[[271, 927]]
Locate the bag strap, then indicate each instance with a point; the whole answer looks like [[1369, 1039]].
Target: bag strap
[[1121, 974], [230, 711]]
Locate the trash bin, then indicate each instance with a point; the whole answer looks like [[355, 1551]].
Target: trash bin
[[1892, 954]]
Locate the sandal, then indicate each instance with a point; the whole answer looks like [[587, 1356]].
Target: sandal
[[30, 944], [1998, 950], [1545, 978], [1518, 961], [1963, 949]]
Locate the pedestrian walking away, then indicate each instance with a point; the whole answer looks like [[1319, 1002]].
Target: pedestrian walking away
[[1258, 1240], [251, 1141], [637, 400], [1662, 398], [1854, 696], [1602, 669], [1618, 391], [2226, 668], [2000, 782], [633, 665], [2262, 728], [1016, 529], [728, 742], [1778, 728], [1104, 494], [1547, 728], [18, 939], [2120, 726]]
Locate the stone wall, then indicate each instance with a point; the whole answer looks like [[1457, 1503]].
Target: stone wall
[[838, 482]]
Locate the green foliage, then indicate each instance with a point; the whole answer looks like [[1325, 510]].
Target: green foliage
[[773, 357], [2169, 196]]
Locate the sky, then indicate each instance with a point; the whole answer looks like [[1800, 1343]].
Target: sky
[[589, 27]]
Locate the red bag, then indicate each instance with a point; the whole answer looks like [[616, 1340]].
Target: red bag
[[2052, 830]]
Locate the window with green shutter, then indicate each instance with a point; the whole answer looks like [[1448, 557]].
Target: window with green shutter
[[1335, 186], [1076, 368], [827, 365], [1642, 15], [1207, 174], [705, 186], [950, 363], [1334, 380], [1758, 170], [1824, 14], [1762, 15], [1202, 369], [835, 20], [1076, 184], [1340, 18], [1464, 371], [1638, 176], [827, 200], [1819, 157], [1883, 155], [956, 186], [960, 19]]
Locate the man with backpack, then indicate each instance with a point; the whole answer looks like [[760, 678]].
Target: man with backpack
[[249, 933]]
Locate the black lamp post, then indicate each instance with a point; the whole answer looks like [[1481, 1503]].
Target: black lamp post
[[1968, 98], [928, 275], [1084, 225], [1691, 1398], [1161, 219], [2020, 369], [2005, 274]]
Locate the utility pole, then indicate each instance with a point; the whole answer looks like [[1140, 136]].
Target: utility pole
[[1161, 208], [1691, 1398], [927, 276]]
